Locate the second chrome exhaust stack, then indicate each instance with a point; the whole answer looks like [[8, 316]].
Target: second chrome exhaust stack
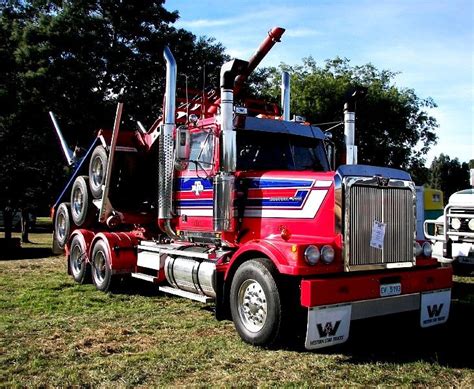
[[166, 148]]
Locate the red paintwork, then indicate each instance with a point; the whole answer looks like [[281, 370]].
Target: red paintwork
[[121, 248], [85, 237], [348, 287]]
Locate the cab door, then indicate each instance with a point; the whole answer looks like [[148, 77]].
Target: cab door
[[194, 184]]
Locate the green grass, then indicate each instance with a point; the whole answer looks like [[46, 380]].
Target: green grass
[[57, 333]]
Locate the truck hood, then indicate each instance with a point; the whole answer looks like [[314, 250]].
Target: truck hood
[[462, 198]]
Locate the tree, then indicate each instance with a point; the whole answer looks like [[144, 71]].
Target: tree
[[449, 175], [75, 58], [393, 127]]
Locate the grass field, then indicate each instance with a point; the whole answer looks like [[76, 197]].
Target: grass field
[[57, 333]]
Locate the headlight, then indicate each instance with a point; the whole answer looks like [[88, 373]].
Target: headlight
[[327, 254], [427, 250], [471, 224], [311, 255], [456, 223], [418, 249]]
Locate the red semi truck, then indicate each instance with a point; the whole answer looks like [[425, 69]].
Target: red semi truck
[[239, 206]]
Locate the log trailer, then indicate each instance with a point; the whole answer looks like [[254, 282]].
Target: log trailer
[[240, 207]]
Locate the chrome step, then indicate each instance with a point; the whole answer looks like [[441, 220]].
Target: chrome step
[[186, 294], [145, 277]]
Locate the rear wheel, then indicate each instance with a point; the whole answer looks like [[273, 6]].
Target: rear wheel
[[101, 266], [62, 228], [81, 202], [255, 303], [78, 265], [97, 169]]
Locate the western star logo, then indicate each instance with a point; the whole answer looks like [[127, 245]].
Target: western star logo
[[197, 188], [327, 333], [329, 329], [434, 310]]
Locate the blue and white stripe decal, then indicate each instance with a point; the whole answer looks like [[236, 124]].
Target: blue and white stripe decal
[[266, 183], [266, 197]]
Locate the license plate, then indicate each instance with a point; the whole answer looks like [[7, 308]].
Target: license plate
[[390, 289]]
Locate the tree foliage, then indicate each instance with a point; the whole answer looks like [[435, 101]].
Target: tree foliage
[[449, 175], [75, 57], [393, 126]]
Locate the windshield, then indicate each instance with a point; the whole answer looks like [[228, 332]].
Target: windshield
[[202, 147], [258, 150]]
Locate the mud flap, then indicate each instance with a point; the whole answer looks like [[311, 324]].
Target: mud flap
[[434, 307], [328, 325]]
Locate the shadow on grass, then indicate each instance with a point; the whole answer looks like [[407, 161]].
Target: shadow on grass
[[13, 249], [390, 339], [400, 339]]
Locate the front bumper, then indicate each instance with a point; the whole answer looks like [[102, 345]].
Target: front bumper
[[334, 302], [358, 289]]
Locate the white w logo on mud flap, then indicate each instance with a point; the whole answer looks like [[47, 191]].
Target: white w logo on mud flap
[[434, 310], [329, 329]]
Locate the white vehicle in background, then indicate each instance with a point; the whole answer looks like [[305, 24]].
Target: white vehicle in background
[[453, 239]]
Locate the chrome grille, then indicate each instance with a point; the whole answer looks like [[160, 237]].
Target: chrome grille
[[393, 206]]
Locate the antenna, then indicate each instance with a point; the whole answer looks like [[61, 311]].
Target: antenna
[[203, 105], [187, 98]]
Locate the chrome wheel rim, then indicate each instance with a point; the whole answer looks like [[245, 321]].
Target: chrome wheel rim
[[61, 227], [97, 172], [100, 264], [77, 201], [77, 259], [252, 304]]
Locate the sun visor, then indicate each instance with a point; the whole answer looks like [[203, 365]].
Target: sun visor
[[279, 126]]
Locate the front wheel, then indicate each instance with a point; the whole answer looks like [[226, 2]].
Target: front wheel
[[255, 303]]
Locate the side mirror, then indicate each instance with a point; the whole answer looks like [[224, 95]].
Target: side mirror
[[331, 153], [182, 147]]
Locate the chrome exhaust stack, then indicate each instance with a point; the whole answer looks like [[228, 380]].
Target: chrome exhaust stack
[[349, 123], [224, 181], [285, 95], [349, 134], [166, 148]]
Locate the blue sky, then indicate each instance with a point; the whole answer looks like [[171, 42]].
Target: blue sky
[[431, 44]]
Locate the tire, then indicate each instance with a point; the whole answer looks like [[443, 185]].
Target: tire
[[78, 264], [255, 303], [62, 227], [82, 212], [101, 266], [97, 170]]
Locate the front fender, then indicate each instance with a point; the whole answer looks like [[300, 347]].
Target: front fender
[[252, 249]]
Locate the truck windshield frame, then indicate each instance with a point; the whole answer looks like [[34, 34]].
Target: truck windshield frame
[[257, 150]]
